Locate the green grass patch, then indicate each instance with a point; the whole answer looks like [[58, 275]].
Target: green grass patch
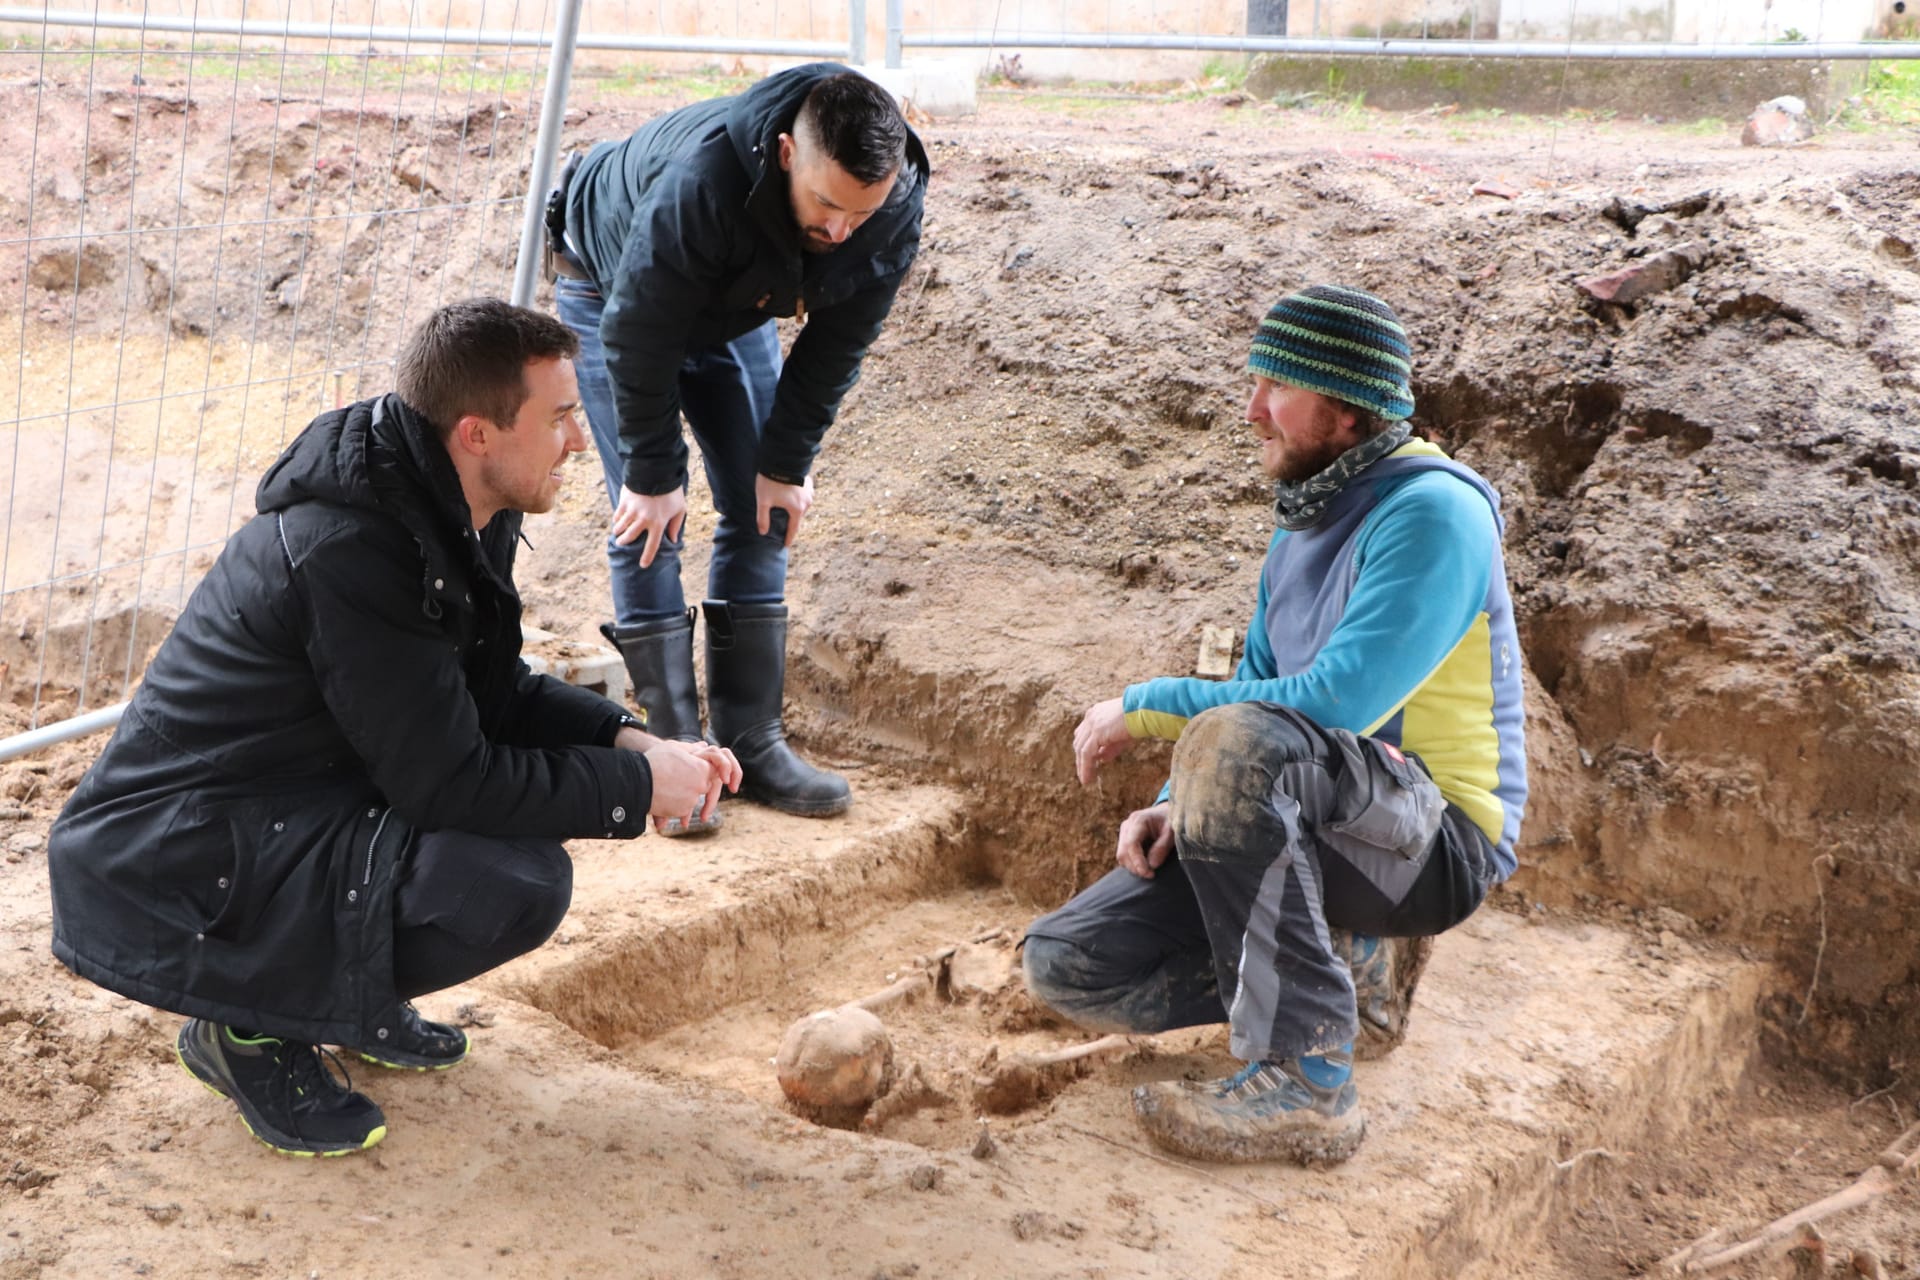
[[1223, 74], [643, 79], [1704, 127], [209, 65], [1891, 98], [1069, 103]]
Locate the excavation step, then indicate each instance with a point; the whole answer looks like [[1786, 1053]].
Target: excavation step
[[666, 930], [1542, 1052]]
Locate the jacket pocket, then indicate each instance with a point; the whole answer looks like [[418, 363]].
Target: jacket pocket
[[1386, 801], [228, 891], [276, 852]]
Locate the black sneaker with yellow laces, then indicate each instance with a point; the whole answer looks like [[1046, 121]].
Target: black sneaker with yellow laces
[[287, 1097]]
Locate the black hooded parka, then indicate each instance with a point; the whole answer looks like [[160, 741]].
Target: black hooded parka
[[347, 673]]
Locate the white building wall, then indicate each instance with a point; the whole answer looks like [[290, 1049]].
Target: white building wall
[[1687, 21]]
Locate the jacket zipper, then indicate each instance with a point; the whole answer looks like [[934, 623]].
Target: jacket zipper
[[367, 879]]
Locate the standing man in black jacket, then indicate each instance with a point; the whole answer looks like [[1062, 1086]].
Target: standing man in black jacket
[[338, 786], [681, 245]]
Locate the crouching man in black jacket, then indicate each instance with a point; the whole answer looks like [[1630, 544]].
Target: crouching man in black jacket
[[339, 787]]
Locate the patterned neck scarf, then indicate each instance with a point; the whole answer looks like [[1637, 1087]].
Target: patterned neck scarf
[[1300, 506]]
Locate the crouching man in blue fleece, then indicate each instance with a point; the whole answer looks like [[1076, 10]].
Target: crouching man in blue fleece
[[1355, 788]]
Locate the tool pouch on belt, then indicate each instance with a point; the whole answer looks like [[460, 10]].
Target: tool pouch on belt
[[1386, 800], [553, 260]]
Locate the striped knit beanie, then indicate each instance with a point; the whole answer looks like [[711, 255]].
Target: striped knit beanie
[[1340, 342]]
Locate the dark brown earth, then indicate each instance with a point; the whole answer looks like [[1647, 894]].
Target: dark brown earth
[[1040, 491]]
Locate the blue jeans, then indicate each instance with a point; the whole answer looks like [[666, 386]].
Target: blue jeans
[[726, 393]]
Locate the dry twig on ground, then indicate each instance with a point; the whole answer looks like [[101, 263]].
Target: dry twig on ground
[[1594, 1153]]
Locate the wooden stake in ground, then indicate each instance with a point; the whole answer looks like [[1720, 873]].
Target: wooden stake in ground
[[1897, 1161]]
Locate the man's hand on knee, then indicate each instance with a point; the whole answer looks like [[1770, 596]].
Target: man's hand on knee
[[657, 515], [1102, 736], [1146, 838], [770, 495]]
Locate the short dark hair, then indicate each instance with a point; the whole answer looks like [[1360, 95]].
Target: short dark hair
[[470, 357], [858, 124]]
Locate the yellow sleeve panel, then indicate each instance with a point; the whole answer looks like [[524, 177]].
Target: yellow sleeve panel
[[1155, 724], [1449, 723]]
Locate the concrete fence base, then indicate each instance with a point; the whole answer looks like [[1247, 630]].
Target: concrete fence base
[[1689, 90]]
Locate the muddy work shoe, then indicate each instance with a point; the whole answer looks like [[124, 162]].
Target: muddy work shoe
[[418, 1045], [287, 1097], [1306, 1111], [1385, 972]]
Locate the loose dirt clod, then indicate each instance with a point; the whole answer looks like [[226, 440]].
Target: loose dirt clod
[[834, 1063]]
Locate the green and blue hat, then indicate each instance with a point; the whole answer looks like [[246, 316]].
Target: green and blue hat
[[1340, 342]]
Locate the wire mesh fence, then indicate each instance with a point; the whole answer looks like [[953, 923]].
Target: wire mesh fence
[[225, 215], [208, 243]]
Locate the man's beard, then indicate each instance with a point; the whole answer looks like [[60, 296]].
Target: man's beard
[[1296, 467]]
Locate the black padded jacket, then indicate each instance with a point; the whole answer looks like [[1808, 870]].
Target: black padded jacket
[[347, 673], [687, 230]]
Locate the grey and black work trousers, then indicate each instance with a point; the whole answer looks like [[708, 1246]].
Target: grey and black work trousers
[[1282, 829], [466, 904]]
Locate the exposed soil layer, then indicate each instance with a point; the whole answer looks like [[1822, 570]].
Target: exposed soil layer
[[1040, 491]]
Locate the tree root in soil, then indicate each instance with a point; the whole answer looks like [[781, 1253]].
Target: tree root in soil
[[1788, 1232]]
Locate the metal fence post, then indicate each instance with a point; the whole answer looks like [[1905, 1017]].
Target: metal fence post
[[896, 19], [857, 32], [553, 111]]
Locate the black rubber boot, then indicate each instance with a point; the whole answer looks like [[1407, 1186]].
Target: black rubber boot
[[659, 658], [746, 683]]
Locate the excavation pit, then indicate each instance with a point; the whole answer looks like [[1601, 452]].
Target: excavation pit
[[1534, 1037]]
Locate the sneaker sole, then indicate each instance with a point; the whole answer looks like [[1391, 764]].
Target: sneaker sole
[[210, 1081], [408, 1063], [1332, 1143]]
